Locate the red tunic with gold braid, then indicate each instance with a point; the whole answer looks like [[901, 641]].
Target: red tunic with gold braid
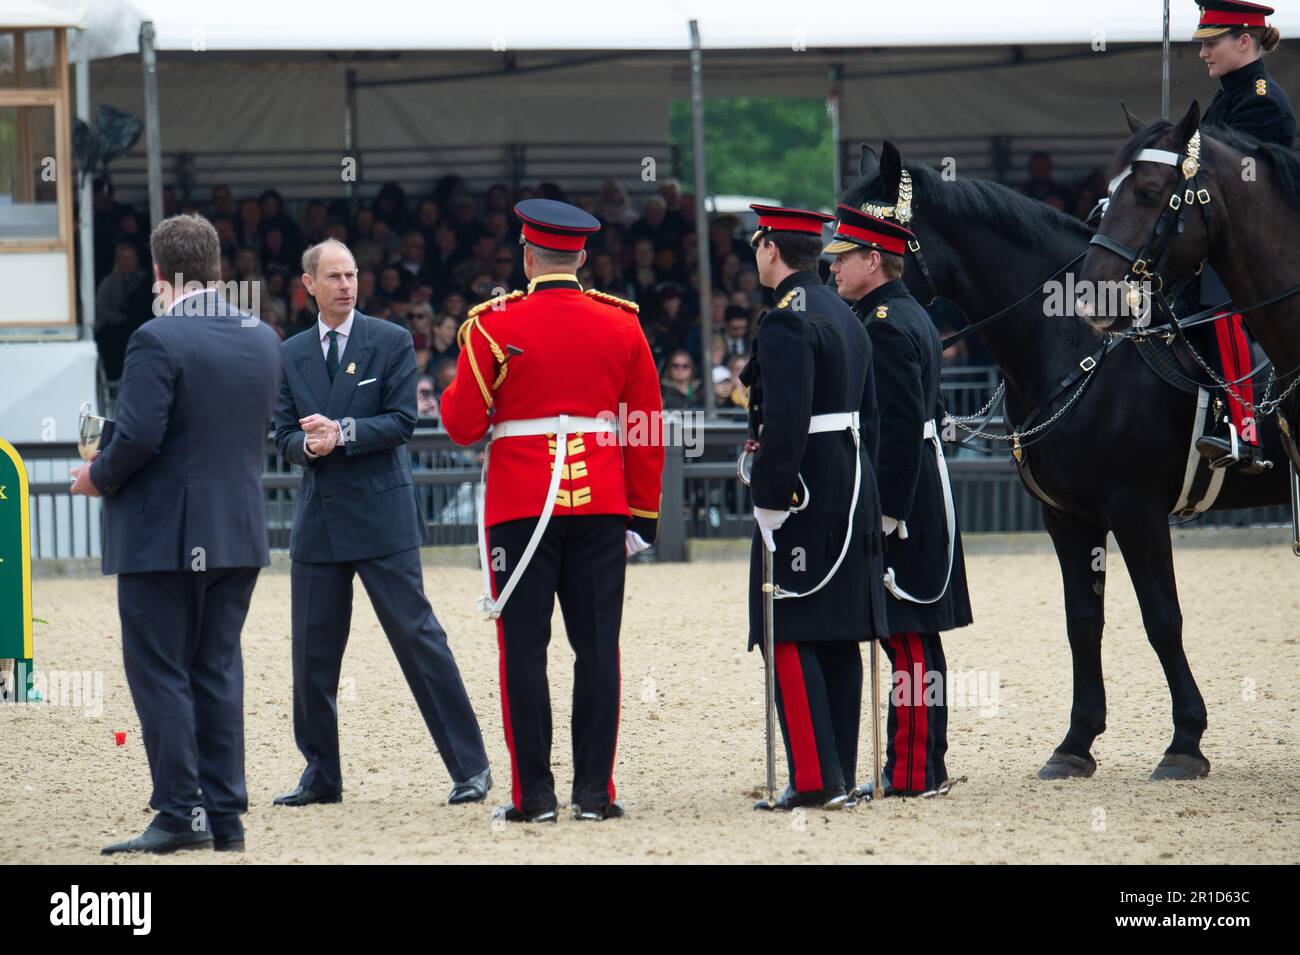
[[557, 350]]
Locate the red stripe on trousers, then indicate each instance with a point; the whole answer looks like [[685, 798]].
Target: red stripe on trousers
[[516, 790], [798, 718], [618, 717], [911, 737], [1236, 364]]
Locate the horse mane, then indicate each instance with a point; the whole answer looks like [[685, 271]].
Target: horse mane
[[1016, 215], [1284, 163]]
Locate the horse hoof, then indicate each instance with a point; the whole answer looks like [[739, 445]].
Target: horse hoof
[[1068, 766], [1181, 766]]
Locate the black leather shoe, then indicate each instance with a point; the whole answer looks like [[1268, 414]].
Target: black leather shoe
[[1217, 450], [1248, 460], [305, 797], [228, 835], [511, 814], [228, 843], [160, 842], [474, 789], [817, 799], [613, 810]]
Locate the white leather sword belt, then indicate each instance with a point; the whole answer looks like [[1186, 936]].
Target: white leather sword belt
[[561, 426], [931, 433], [835, 421]]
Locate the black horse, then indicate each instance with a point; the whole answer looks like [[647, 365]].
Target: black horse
[[1115, 461], [1245, 223]]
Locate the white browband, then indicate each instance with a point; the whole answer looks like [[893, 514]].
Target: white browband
[[1162, 156]]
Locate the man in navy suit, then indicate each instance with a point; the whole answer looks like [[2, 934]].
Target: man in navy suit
[[345, 412], [181, 478]]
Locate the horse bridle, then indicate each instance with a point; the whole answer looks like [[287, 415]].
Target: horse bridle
[[1145, 265], [901, 212]]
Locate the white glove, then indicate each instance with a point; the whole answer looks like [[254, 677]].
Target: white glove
[[769, 521], [634, 543], [888, 525]]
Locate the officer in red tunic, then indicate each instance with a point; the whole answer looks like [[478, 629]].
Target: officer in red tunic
[[565, 382]]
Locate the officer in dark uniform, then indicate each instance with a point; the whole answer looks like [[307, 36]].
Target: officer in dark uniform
[[1234, 38], [813, 481], [925, 573], [565, 380]]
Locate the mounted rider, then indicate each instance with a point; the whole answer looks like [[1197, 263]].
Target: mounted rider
[[1234, 38]]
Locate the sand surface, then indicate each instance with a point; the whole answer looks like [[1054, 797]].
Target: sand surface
[[691, 746]]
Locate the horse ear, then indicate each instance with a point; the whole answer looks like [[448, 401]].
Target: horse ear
[[1135, 123], [1191, 122], [891, 168], [868, 162]]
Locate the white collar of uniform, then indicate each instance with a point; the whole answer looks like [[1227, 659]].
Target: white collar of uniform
[[190, 294], [344, 329]]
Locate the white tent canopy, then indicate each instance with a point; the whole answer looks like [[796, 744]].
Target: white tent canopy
[[189, 25]]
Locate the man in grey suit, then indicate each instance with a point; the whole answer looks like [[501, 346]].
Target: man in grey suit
[[345, 412], [185, 532]]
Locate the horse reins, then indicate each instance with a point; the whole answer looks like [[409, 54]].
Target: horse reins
[[902, 213], [1146, 264]]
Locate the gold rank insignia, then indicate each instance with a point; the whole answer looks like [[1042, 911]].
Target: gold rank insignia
[[882, 311], [786, 300], [352, 368], [1261, 87]]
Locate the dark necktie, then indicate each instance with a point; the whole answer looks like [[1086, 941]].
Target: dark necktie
[[332, 356]]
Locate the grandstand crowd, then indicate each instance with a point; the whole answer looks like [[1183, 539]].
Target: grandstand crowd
[[424, 261]]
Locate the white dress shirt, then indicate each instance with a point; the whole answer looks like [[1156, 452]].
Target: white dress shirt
[[190, 294], [344, 330]]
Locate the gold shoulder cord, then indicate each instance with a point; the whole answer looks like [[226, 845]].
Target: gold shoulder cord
[[608, 299], [467, 345], [466, 340]]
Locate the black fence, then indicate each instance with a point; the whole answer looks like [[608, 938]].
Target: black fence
[[700, 474]]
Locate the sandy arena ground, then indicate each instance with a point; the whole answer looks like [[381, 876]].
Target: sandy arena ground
[[690, 753]]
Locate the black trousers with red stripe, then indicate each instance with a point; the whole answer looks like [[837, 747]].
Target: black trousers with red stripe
[[918, 713], [819, 705], [580, 560]]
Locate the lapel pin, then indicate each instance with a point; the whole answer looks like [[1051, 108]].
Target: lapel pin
[[352, 368]]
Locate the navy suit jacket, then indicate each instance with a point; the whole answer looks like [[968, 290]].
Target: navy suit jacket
[[357, 502], [181, 474]]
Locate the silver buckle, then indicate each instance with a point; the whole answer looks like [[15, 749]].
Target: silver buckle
[[1175, 201], [1203, 197], [1088, 364]]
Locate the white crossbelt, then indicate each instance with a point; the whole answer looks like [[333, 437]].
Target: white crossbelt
[[561, 426], [818, 424], [931, 433]]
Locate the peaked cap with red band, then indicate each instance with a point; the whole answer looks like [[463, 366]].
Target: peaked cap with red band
[[553, 225], [777, 219], [1220, 16], [858, 230]]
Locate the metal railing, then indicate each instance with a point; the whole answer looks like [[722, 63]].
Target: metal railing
[[712, 501]]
